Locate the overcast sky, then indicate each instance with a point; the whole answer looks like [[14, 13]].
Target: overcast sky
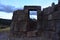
[[8, 6]]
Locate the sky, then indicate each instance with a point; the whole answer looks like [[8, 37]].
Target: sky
[[8, 6]]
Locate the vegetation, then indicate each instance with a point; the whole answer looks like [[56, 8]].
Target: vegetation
[[5, 22], [5, 29], [5, 25]]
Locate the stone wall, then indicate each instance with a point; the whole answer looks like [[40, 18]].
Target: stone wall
[[19, 22], [47, 23], [53, 21]]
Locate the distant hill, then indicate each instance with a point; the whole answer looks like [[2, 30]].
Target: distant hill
[[5, 22]]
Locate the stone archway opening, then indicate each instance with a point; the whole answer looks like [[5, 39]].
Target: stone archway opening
[[32, 19], [32, 23]]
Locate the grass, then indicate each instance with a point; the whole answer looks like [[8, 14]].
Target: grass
[[5, 29]]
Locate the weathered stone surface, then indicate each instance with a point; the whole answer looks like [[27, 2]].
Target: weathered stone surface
[[56, 15], [33, 8], [47, 23], [58, 1]]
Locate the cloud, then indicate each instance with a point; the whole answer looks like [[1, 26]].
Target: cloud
[[33, 12], [7, 8], [33, 16], [5, 15]]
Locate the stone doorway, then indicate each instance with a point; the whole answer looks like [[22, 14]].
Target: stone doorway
[[32, 25]]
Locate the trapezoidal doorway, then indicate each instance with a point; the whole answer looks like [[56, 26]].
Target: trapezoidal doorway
[[32, 24]]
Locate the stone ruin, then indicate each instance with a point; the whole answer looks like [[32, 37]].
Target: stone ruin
[[47, 23], [22, 22]]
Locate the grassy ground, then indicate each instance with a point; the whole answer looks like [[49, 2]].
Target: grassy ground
[[5, 29], [4, 33]]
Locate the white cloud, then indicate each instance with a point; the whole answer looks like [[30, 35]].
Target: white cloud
[[33, 16], [5, 15]]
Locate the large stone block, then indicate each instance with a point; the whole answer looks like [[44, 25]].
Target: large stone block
[[56, 15]]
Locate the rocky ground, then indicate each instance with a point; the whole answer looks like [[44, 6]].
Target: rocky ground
[[4, 36]]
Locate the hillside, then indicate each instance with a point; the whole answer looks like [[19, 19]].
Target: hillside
[[4, 22]]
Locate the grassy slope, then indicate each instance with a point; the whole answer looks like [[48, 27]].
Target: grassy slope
[[5, 29]]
